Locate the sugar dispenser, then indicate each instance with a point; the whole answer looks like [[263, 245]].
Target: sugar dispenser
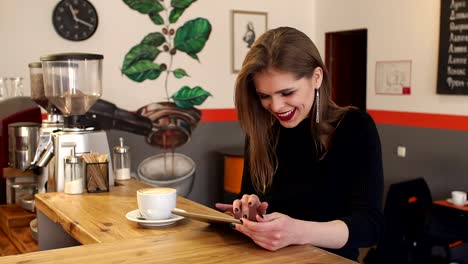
[[74, 174], [122, 161]]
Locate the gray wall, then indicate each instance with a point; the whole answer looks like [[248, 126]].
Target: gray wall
[[434, 154], [206, 142]]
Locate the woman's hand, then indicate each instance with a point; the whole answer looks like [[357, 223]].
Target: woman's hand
[[272, 231], [276, 230], [248, 207]]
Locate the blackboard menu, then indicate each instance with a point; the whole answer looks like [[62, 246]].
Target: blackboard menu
[[452, 75]]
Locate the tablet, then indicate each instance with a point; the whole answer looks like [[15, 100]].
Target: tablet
[[206, 218]]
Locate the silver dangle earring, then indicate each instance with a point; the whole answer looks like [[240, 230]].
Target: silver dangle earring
[[317, 102]]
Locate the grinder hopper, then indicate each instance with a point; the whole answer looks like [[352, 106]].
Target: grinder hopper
[[37, 89], [73, 81]]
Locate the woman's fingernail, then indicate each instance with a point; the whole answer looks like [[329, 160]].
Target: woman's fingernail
[[242, 222], [233, 226]]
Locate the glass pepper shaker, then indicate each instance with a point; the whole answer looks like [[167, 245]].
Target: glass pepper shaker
[[74, 174], [121, 161]]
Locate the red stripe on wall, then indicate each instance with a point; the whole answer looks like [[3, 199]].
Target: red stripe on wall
[[426, 120], [218, 115], [208, 115]]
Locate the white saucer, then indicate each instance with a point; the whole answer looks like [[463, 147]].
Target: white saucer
[[450, 201], [135, 216]]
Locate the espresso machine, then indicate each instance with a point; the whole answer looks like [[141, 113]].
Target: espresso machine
[[13, 110], [72, 84]]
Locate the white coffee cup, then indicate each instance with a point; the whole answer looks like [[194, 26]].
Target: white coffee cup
[[459, 197], [156, 203]]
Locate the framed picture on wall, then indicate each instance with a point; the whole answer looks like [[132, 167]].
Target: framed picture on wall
[[247, 26], [393, 77]]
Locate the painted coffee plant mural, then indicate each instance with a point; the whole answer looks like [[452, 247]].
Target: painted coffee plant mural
[[143, 62]]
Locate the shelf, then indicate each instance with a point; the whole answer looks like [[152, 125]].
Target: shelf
[[15, 173], [15, 234]]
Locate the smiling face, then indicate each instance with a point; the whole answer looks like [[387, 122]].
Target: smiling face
[[287, 98]]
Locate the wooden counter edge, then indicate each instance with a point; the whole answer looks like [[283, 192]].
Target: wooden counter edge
[[166, 248], [68, 225]]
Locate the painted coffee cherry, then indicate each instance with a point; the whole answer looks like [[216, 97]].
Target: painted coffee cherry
[[166, 48], [164, 30], [173, 51], [171, 31], [163, 67]]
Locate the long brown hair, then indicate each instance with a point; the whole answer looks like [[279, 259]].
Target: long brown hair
[[289, 50]]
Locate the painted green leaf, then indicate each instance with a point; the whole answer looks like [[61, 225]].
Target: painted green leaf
[[193, 55], [154, 39], [145, 6], [192, 36], [156, 18], [143, 70], [140, 52], [179, 73], [187, 97], [181, 3], [175, 14]]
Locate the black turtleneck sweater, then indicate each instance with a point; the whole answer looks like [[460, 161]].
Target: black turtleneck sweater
[[347, 184]]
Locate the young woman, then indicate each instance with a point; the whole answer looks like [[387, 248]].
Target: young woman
[[313, 170]]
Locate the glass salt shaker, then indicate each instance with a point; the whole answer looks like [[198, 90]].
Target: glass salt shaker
[[17, 86], [3, 90], [121, 161], [74, 174]]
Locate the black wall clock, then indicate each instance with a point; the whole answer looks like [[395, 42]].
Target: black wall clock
[[75, 20]]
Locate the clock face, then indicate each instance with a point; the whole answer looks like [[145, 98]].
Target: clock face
[[75, 19]]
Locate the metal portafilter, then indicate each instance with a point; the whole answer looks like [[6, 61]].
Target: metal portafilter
[[106, 115], [163, 124], [172, 125]]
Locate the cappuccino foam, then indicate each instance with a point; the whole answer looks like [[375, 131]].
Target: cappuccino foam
[[156, 190]]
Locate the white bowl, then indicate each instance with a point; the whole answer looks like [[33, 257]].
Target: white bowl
[[174, 170]]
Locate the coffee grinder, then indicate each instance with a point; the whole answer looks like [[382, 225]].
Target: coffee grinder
[[72, 83], [54, 120]]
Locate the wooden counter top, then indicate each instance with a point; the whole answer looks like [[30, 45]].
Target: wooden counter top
[[205, 245], [98, 221], [100, 217]]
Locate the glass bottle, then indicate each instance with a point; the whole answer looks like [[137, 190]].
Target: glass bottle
[[121, 161], [74, 174]]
